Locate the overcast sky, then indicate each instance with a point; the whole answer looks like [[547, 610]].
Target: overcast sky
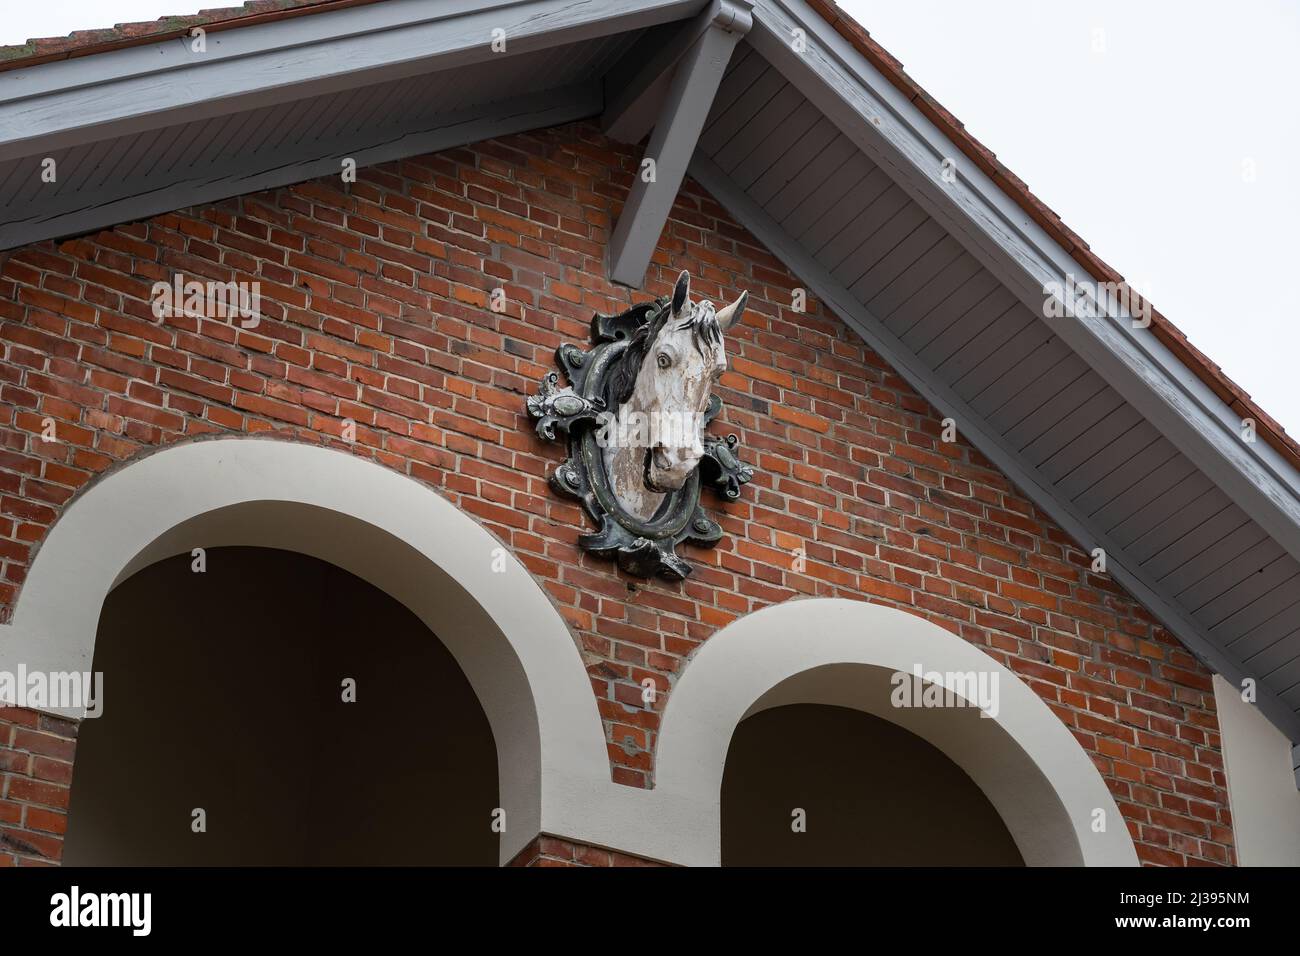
[[1165, 132]]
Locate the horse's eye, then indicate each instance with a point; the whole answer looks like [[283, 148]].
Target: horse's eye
[[664, 360]]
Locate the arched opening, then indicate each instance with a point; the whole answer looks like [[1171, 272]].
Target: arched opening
[[836, 653], [390, 531], [514, 648], [817, 785], [226, 695]]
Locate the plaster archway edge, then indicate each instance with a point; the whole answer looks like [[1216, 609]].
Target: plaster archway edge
[[842, 652], [551, 748], [386, 528]]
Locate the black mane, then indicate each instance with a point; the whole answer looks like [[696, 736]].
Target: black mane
[[706, 333]]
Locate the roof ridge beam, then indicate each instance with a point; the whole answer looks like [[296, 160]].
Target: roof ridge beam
[[635, 92], [696, 75]]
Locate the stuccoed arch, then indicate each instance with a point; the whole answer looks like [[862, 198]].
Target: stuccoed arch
[[384, 527]]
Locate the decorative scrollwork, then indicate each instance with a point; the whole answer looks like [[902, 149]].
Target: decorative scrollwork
[[583, 411], [555, 407]]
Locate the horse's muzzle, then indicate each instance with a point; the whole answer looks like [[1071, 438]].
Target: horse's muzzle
[[665, 471]]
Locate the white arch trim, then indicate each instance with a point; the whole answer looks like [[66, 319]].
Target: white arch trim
[[384, 527], [518, 654], [841, 652]]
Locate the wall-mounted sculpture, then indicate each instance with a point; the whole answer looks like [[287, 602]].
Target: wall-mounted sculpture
[[634, 413]]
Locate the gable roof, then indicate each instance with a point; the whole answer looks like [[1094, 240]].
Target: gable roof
[[1014, 187], [122, 36], [1127, 438]]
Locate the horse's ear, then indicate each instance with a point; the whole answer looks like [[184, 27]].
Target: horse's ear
[[732, 313], [681, 291]]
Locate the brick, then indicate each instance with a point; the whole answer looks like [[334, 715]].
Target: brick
[[376, 304]]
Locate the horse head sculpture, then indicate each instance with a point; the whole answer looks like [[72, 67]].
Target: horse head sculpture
[[659, 391], [634, 413]]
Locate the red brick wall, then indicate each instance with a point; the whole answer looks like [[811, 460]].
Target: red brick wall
[[546, 850], [35, 779], [376, 297]]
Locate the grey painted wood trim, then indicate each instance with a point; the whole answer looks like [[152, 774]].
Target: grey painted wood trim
[[72, 102], [536, 111], [974, 428], [637, 87], [892, 131], [690, 95]]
